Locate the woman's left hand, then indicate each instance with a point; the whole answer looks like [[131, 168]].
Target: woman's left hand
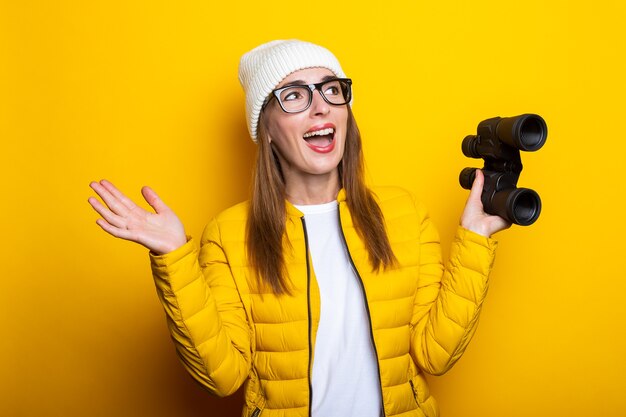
[[474, 217]]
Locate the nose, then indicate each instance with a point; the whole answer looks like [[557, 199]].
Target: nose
[[319, 106]]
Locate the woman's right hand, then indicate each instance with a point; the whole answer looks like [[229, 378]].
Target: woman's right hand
[[161, 232]]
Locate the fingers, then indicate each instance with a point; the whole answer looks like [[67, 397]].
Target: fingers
[[153, 199], [120, 213], [114, 231], [477, 186], [127, 202], [479, 179], [110, 217], [474, 217], [104, 191], [122, 218]]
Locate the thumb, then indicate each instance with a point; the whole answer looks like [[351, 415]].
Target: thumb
[[477, 186], [153, 199]]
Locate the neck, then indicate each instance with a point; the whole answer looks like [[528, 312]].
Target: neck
[[315, 189]]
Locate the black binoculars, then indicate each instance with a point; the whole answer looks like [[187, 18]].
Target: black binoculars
[[498, 141]]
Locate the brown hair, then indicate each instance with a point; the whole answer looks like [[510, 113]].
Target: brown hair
[[265, 228]]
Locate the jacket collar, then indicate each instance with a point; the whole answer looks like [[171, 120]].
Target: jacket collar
[[292, 211]]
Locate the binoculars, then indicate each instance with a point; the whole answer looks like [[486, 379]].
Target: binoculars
[[499, 141]]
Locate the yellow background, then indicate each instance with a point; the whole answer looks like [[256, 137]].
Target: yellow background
[[146, 92]]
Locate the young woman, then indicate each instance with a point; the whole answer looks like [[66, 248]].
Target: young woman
[[324, 297]]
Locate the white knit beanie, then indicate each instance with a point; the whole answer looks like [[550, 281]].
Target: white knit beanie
[[264, 67]]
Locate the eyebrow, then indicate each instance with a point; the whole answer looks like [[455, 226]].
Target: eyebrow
[[302, 82]]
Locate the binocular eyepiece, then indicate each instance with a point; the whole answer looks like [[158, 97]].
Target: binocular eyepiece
[[499, 141]]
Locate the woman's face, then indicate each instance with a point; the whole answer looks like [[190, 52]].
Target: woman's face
[[309, 144]]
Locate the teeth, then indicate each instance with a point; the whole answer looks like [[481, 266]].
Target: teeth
[[323, 132]]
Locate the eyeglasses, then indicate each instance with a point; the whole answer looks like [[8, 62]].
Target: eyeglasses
[[298, 98]]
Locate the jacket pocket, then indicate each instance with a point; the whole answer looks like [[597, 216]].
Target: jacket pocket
[[414, 391], [257, 408], [425, 403]]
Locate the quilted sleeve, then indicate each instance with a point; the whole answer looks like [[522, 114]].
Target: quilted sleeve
[[448, 300], [204, 312]]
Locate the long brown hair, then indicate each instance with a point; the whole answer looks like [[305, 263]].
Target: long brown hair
[[265, 240]]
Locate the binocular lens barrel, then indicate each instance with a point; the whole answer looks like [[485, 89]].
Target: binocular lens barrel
[[527, 132], [520, 205], [532, 134], [468, 146], [466, 178]]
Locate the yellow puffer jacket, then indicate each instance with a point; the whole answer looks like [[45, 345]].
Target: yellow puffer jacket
[[228, 332]]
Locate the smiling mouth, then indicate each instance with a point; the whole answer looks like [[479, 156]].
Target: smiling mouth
[[320, 139]]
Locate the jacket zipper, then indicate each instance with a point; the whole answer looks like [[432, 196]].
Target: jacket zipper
[[256, 412], [308, 303], [414, 392], [367, 308]]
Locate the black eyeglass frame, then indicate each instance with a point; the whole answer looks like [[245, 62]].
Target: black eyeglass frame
[[317, 86]]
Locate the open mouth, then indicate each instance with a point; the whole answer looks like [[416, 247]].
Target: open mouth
[[322, 140]]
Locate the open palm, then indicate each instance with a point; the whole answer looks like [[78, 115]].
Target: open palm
[[161, 231]]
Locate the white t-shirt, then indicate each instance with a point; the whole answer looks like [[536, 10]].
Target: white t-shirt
[[345, 371]]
